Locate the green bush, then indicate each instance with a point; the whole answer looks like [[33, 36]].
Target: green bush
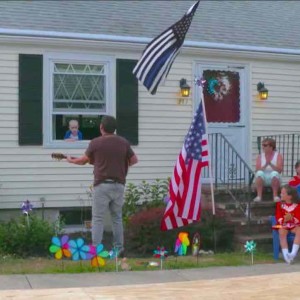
[[19, 238], [144, 195], [143, 234]]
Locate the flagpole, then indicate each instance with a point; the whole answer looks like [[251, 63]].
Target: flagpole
[[209, 163], [210, 173]]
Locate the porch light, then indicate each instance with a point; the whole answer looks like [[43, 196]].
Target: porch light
[[263, 93], [184, 88]]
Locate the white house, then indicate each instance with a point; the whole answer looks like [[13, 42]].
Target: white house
[[73, 59]]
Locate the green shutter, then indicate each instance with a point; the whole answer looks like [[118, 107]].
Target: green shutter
[[30, 99], [127, 101]]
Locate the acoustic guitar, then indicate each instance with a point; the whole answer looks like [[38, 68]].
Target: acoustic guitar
[[58, 156]]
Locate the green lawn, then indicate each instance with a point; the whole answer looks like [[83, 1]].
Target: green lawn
[[10, 265]]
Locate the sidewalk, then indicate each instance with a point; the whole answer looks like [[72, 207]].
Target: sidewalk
[[266, 281]]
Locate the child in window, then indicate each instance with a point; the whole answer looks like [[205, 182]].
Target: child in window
[[73, 134], [288, 219]]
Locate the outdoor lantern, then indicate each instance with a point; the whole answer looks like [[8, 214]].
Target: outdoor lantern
[[185, 88], [262, 91]]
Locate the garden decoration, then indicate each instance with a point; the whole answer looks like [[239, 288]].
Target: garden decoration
[[98, 254], [295, 182], [218, 87], [26, 208], [161, 253], [60, 248], [250, 247], [79, 250], [182, 243], [196, 245], [114, 254]]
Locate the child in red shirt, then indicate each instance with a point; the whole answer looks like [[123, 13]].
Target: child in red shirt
[[288, 217]]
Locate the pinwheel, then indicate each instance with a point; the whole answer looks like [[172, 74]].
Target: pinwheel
[[250, 247], [97, 260], [60, 247], [200, 81], [79, 249], [182, 243], [26, 207], [295, 182], [196, 244], [161, 253]]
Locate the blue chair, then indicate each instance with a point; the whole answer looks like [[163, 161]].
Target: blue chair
[[276, 242]]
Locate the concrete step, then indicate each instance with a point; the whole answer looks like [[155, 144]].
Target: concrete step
[[263, 241]]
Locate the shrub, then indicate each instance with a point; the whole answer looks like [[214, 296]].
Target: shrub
[[22, 240], [144, 195], [143, 234]]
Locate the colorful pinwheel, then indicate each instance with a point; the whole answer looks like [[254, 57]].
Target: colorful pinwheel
[[295, 182], [200, 81], [113, 253], [196, 244], [160, 252], [97, 260], [26, 207], [250, 247], [182, 243], [79, 249], [60, 247]]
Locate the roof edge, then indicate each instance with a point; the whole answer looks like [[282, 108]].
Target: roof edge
[[141, 40]]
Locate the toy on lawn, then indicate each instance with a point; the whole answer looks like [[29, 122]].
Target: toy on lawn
[[161, 253], [295, 182], [250, 247], [182, 243]]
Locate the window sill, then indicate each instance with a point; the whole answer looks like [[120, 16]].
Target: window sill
[[67, 145]]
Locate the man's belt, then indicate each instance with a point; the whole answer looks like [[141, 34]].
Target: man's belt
[[111, 181]]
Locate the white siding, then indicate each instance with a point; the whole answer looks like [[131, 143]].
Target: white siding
[[28, 172], [280, 113]]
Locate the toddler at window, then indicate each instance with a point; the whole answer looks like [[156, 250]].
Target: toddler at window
[[73, 134]]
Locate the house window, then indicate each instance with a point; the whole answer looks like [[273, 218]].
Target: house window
[[77, 94]]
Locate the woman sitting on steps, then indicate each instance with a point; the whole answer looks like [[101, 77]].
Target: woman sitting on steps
[[269, 165]]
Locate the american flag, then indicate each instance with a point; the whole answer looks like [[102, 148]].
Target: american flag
[[158, 57], [184, 205]]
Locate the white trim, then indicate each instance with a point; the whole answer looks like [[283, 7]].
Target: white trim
[[48, 58], [142, 40]]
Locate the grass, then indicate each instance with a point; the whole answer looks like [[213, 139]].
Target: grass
[[11, 265]]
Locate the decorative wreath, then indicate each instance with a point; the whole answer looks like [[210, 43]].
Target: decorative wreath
[[218, 87]]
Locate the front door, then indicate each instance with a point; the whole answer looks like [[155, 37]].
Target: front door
[[226, 103]]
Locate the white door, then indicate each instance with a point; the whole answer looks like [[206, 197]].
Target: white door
[[226, 102]]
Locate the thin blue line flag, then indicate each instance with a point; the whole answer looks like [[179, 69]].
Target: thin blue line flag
[[159, 55]]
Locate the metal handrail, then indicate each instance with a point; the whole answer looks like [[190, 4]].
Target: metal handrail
[[289, 147], [230, 171]]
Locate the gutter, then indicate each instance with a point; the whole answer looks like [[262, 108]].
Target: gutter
[[141, 40]]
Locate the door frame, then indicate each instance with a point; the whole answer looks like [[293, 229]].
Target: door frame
[[245, 94]]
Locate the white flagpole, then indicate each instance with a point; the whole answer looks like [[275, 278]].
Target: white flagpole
[[209, 162]]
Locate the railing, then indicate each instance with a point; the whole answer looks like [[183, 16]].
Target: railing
[[230, 171], [289, 146]]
